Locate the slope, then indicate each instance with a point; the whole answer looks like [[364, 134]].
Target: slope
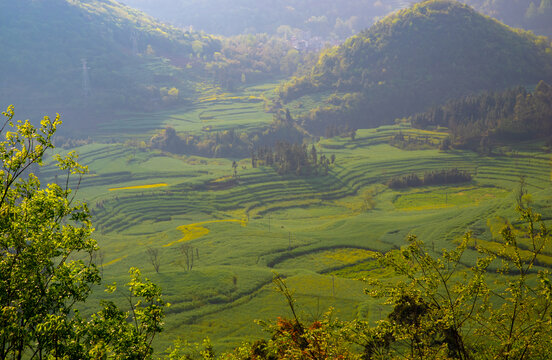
[[418, 57], [129, 56]]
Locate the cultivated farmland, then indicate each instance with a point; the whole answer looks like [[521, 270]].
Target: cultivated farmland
[[320, 231]]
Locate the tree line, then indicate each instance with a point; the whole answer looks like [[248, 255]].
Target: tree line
[[436, 177], [475, 121], [292, 158], [228, 143]]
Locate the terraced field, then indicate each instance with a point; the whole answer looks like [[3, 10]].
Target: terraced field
[[321, 232]]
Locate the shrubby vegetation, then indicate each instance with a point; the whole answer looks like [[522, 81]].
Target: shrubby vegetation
[[479, 120], [446, 309], [418, 57], [443, 177], [291, 158], [254, 58], [440, 307], [47, 267]]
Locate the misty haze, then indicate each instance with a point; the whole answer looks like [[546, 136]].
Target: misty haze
[[285, 179]]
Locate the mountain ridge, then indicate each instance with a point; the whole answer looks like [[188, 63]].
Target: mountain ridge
[[423, 56]]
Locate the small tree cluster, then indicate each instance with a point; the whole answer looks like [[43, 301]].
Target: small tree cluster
[[228, 143], [189, 255], [441, 177], [289, 158], [334, 130], [413, 142], [475, 120]]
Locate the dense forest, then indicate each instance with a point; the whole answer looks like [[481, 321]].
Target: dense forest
[[423, 56], [478, 120]]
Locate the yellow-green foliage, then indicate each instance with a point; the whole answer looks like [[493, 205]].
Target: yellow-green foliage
[[496, 224], [149, 186], [115, 260], [195, 231], [497, 247]]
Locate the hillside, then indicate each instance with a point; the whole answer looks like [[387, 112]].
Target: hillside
[[130, 57], [418, 57], [482, 121]]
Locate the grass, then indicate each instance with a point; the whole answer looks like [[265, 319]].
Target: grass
[[213, 111], [439, 198], [319, 232], [326, 260]]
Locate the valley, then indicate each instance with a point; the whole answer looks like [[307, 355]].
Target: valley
[[319, 231], [281, 180]]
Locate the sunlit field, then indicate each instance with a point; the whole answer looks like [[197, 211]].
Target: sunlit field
[[321, 232]]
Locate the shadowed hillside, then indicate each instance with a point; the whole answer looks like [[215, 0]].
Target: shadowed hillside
[[129, 56], [418, 57]]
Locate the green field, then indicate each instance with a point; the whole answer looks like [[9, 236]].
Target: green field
[[320, 232]]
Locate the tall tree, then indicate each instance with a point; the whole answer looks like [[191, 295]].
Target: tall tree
[[46, 263]]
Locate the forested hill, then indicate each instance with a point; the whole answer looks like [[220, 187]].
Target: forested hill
[[477, 121], [418, 57], [130, 57]]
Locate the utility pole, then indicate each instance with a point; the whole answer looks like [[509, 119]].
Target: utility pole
[[85, 79]]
